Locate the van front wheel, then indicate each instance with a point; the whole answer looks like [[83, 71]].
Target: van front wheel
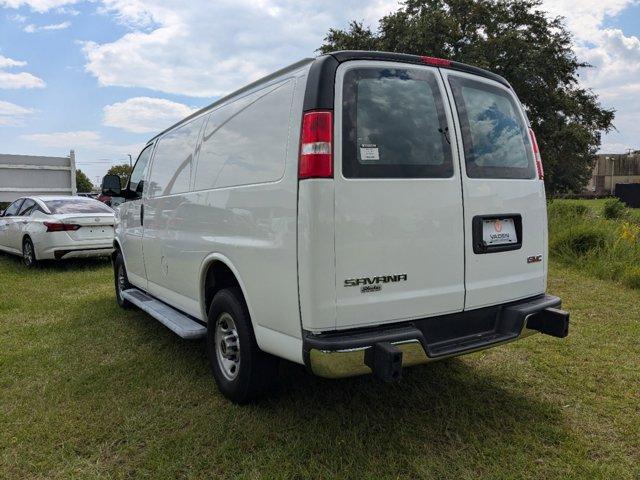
[[242, 371], [121, 280]]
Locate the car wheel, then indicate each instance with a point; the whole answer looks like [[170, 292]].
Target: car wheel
[[29, 253], [121, 280], [242, 371]]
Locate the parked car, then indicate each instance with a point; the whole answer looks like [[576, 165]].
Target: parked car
[[355, 213], [48, 227], [106, 199]]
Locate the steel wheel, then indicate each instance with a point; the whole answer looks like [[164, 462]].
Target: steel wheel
[[227, 345], [121, 281]]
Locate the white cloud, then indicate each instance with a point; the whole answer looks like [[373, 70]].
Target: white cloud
[[17, 18], [94, 153], [202, 48], [31, 28], [615, 57], [10, 62], [10, 80], [81, 138], [20, 80], [12, 114], [39, 6], [144, 114], [585, 17], [87, 140]]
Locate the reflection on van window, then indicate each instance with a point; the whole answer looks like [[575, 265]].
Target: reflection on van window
[[248, 147], [140, 169], [172, 162], [495, 138], [394, 124]]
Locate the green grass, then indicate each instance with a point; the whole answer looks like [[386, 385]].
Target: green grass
[[596, 206], [88, 390], [606, 248]]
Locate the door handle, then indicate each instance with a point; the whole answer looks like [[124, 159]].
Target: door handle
[[142, 214]]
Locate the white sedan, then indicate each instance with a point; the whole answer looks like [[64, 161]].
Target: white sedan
[[47, 227]]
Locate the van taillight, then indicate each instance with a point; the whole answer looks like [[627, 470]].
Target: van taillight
[[536, 155], [60, 227], [316, 145]]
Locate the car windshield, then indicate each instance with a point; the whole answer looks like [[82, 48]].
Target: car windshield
[[77, 205]]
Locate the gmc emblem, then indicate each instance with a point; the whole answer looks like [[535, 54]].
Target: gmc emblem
[[534, 259]]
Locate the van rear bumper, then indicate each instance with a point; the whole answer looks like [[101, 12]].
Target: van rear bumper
[[345, 353]]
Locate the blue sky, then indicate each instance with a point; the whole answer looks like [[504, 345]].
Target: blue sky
[[103, 76]]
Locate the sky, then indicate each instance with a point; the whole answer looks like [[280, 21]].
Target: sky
[[103, 76]]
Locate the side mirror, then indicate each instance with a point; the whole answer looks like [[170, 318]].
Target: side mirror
[[111, 185], [1, 213]]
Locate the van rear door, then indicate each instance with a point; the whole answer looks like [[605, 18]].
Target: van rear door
[[504, 200], [399, 235]]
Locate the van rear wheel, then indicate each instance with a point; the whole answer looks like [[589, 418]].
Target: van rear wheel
[[242, 371]]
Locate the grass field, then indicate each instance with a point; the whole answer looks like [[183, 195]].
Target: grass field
[[603, 246], [91, 391], [597, 205]]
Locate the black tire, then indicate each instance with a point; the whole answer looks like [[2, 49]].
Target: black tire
[[29, 258], [121, 280], [256, 371]]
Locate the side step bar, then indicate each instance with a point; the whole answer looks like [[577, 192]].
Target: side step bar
[[179, 323]]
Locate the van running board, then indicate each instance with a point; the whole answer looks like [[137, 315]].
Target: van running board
[[179, 323]]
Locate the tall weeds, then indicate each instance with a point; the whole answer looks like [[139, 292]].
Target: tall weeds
[[604, 248]]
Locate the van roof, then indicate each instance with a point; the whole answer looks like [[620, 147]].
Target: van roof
[[320, 84]]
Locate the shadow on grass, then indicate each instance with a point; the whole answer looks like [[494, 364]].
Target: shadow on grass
[[69, 265], [441, 409]]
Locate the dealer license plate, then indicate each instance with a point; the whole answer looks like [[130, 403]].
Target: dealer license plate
[[500, 231]]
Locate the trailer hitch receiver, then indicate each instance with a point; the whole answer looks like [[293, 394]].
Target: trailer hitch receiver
[[385, 361], [552, 321]]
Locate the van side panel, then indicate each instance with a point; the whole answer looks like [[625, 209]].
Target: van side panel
[[166, 216], [244, 210], [316, 254]]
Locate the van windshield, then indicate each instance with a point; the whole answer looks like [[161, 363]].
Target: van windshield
[[494, 135], [394, 125]]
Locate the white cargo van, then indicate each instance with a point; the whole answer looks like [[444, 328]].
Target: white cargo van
[[358, 212]]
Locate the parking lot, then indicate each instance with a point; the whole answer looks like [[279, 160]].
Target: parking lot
[[92, 391]]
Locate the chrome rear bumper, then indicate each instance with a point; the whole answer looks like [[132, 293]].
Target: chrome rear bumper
[[342, 354]]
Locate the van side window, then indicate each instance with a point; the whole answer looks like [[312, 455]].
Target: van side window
[[495, 137], [139, 173], [173, 160], [246, 146], [394, 125]]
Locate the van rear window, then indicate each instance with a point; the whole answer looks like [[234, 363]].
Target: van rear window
[[494, 135], [394, 125]]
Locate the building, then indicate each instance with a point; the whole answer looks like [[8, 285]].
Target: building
[[24, 175], [612, 168]]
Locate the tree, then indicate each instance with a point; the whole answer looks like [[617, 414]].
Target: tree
[[517, 40], [83, 184], [123, 171]]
